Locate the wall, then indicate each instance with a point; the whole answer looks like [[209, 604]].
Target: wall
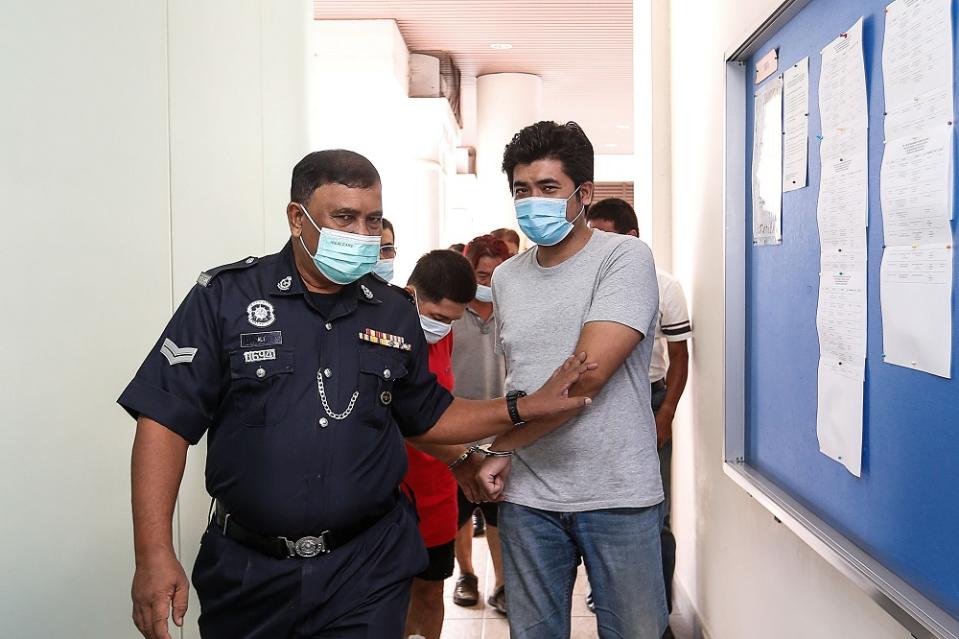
[[747, 576], [359, 81], [142, 142]]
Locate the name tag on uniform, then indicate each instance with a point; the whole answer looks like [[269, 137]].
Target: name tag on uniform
[[267, 338], [259, 356]]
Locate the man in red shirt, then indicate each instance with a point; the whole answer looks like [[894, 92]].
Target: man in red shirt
[[443, 283]]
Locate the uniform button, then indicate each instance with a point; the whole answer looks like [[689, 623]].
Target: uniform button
[[327, 373], [324, 422], [387, 374], [261, 372], [329, 326], [249, 260]]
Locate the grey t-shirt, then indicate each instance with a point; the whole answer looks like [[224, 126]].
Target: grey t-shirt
[[606, 456], [478, 369]]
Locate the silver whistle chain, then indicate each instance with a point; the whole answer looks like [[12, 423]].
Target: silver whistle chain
[[326, 404]]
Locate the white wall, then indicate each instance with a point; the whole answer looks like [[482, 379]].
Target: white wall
[[747, 576], [359, 81], [142, 142]]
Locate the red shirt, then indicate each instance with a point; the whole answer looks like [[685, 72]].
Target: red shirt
[[431, 482]]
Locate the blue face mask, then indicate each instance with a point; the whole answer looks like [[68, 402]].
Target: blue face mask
[[543, 219], [484, 293], [343, 257], [384, 268]]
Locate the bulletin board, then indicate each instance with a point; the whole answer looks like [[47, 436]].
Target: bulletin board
[[895, 530]]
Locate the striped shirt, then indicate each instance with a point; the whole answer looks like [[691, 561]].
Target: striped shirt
[[673, 324]]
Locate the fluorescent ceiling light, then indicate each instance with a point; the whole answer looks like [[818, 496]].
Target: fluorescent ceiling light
[[501, 46]]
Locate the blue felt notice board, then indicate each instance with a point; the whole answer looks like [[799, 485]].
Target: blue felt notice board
[[904, 510]]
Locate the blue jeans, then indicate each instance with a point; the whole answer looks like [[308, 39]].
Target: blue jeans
[[621, 550]]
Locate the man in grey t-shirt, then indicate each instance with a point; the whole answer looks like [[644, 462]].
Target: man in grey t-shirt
[[590, 491]]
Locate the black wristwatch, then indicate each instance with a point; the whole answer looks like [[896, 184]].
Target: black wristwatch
[[511, 398]]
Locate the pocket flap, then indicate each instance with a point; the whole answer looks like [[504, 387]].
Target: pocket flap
[[382, 365]]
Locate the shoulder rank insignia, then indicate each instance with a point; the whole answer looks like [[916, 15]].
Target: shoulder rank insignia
[[405, 293], [385, 339], [208, 276]]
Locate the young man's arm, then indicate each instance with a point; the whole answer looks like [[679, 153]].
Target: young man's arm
[[469, 420], [676, 376], [609, 344]]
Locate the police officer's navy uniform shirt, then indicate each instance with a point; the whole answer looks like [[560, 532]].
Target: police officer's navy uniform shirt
[[241, 358]]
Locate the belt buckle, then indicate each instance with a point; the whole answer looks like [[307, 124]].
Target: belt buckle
[[309, 546]]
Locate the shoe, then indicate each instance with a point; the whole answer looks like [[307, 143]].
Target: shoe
[[497, 601], [590, 603], [479, 525], [466, 592]]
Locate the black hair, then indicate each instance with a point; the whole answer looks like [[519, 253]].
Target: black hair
[[388, 226], [334, 166], [551, 141], [443, 274], [617, 211], [459, 247]]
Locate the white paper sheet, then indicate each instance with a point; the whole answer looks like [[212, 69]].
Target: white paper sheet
[[916, 188], [841, 312], [843, 213], [842, 83], [795, 125], [915, 292], [839, 405], [843, 208], [767, 165], [917, 65]]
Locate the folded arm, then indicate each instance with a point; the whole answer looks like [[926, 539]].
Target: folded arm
[[608, 344]]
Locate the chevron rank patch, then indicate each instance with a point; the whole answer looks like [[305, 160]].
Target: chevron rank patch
[[176, 354]]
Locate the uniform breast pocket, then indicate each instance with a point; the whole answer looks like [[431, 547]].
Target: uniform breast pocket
[[379, 371], [258, 380]]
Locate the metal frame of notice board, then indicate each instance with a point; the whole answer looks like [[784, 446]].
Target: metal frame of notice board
[[920, 616]]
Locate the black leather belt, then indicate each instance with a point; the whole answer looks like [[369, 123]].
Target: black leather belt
[[286, 548], [658, 385]]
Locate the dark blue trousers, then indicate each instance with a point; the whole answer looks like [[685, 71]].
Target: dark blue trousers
[[360, 590]]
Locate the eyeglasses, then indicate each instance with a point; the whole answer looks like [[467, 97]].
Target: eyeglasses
[[387, 251]]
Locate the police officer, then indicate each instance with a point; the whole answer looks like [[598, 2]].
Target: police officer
[[306, 373]]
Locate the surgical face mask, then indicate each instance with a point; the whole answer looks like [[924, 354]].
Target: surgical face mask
[[434, 330], [484, 293], [543, 219], [384, 268], [343, 257]]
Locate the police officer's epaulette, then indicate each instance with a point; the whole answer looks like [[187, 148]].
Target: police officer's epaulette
[[402, 291], [207, 276]]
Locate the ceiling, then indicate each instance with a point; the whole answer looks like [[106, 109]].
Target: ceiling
[[582, 49]]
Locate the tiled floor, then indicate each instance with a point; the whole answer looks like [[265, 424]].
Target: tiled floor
[[482, 622]]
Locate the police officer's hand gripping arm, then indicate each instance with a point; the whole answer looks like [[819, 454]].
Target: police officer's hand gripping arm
[[464, 419]]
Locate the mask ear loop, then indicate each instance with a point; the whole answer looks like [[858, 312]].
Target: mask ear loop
[[318, 230], [582, 210]]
